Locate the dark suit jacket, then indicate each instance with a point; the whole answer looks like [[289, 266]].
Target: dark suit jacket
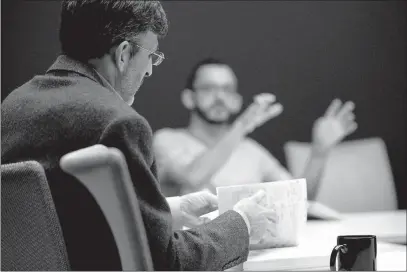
[[69, 108]]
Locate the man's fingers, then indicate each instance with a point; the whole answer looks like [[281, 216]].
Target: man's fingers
[[252, 111], [347, 120], [262, 109], [271, 112], [350, 116], [191, 221], [347, 108], [351, 128], [211, 199], [259, 196], [270, 214], [274, 110], [265, 98], [205, 209], [205, 220], [199, 203], [272, 230], [333, 108]]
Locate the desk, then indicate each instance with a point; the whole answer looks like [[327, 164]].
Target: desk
[[319, 238]]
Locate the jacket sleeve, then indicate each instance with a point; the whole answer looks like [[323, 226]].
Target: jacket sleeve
[[218, 245]]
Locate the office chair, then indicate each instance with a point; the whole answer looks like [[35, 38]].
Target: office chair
[[104, 172], [357, 178], [31, 236]]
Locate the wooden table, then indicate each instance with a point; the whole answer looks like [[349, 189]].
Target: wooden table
[[320, 237]]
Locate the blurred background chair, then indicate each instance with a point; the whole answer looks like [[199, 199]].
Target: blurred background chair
[[357, 178], [31, 236], [104, 172]]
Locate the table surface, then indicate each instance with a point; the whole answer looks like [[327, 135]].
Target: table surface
[[320, 236]]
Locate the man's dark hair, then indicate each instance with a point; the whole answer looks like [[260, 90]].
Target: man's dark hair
[[90, 28], [192, 74]]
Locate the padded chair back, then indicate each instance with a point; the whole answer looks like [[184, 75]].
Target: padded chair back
[[31, 236], [104, 172], [357, 178]]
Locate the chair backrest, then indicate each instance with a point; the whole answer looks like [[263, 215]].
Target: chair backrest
[[31, 236], [103, 171], [357, 176]]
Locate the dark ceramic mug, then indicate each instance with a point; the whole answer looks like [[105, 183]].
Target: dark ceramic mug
[[354, 252]]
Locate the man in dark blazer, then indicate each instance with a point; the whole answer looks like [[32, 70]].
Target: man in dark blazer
[[83, 99]]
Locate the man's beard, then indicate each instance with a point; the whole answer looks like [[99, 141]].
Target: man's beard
[[203, 115]]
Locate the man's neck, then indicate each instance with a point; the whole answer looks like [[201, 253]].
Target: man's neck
[[102, 70], [208, 133], [102, 67]]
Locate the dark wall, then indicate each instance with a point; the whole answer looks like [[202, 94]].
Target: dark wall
[[307, 53]]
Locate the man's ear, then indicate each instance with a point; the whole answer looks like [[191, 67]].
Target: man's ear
[[122, 56], [187, 99]]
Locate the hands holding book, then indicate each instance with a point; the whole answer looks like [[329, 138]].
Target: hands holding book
[[259, 219]]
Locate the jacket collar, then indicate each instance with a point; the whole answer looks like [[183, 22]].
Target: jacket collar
[[65, 63]]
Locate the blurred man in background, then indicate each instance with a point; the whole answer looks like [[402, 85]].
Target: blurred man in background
[[84, 99], [215, 151]]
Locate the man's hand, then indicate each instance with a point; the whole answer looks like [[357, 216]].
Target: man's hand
[[337, 123], [260, 111], [258, 218], [196, 204]]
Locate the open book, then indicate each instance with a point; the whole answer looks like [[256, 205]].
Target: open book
[[289, 200]]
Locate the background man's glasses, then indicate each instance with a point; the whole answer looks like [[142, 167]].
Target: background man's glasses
[[157, 57], [212, 90]]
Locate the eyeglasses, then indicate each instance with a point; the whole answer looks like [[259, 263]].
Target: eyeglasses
[[212, 90], [157, 57]]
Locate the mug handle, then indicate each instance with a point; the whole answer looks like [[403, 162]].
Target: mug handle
[[337, 249]]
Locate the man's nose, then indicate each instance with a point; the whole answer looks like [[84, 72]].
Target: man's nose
[[221, 94]]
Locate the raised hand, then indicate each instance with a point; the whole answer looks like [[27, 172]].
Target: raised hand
[[337, 123], [260, 111]]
